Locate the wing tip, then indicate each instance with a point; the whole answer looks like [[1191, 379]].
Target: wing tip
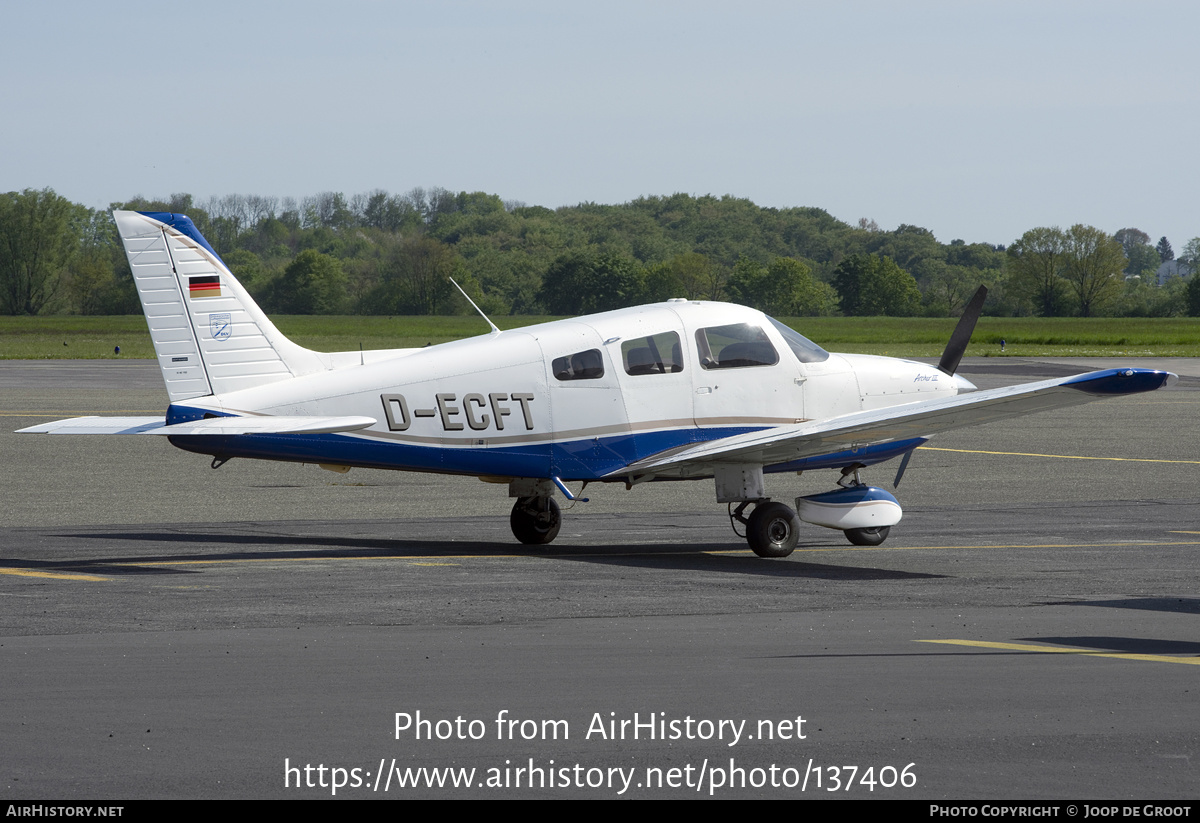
[[1121, 381]]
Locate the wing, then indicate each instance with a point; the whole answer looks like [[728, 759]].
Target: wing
[[212, 425], [784, 444]]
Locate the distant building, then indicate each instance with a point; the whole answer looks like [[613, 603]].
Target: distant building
[[1173, 268]]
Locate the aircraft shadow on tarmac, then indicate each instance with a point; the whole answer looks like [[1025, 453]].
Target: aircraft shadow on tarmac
[[1183, 605], [697, 559], [726, 558], [1123, 645]]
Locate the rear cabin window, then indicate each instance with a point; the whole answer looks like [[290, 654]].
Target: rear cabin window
[[584, 365], [656, 354], [734, 347]]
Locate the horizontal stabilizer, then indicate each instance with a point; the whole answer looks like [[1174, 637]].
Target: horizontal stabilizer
[[209, 426], [98, 425]]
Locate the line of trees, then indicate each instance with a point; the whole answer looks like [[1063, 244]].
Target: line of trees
[[381, 253]]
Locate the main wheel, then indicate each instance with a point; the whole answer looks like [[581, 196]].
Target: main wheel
[[535, 521], [772, 530], [868, 537]]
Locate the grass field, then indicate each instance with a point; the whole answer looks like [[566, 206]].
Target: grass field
[[59, 337]]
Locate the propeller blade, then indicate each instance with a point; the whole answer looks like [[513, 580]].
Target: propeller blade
[[962, 334], [903, 465]]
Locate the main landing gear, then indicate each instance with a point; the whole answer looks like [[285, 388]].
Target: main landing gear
[[772, 529], [865, 514]]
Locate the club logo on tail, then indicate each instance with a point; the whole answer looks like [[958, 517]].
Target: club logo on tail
[[221, 325]]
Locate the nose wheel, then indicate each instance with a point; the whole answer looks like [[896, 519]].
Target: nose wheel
[[535, 521], [868, 537]]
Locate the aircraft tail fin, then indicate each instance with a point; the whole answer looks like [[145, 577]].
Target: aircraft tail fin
[[209, 334]]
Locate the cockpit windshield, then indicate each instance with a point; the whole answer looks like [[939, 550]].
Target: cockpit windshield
[[806, 351]]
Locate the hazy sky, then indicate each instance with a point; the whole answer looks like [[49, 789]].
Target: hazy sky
[[977, 120]]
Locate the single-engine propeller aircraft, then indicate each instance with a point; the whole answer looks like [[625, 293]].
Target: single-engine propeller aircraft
[[671, 391]]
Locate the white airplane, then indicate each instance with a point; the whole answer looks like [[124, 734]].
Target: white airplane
[[671, 391]]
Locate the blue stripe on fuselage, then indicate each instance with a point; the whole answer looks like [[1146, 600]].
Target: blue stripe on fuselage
[[587, 459]]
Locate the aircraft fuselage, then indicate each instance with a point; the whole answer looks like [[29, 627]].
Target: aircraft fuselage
[[574, 399]]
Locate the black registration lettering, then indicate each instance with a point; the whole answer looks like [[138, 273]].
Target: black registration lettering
[[474, 409], [394, 404]]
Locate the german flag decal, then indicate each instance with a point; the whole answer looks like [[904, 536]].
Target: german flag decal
[[208, 285]]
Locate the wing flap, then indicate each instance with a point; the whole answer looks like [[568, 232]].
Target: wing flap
[[277, 424], [784, 444]]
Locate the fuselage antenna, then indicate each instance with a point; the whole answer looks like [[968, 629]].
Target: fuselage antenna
[[472, 302]]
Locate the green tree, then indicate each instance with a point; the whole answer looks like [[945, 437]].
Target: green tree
[[1142, 261], [786, 288], [699, 278], [313, 283], [247, 267], [1141, 297], [870, 285], [949, 287], [415, 278], [746, 282], [1094, 265], [1140, 256], [1191, 250], [1193, 296], [909, 246], [1130, 238], [660, 283], [1036, 264], [582, 282], [40, 235], [390, 212]]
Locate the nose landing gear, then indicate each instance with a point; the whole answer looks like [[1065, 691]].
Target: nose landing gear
[[535, 521]]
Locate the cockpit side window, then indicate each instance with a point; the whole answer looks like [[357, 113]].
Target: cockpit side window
[[806, 351], [656, 354], [735, 346], [584, 365]]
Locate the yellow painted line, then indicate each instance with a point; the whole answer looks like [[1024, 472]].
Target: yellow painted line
[[1117, 545], [318, 557], [1059, 456], [55, 575], [1021, 647]]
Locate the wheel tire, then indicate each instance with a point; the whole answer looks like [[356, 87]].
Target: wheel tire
[[772, 530], [868, 537], [534, 524]]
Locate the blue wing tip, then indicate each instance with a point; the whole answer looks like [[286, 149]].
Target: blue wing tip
[[1122, 381]]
